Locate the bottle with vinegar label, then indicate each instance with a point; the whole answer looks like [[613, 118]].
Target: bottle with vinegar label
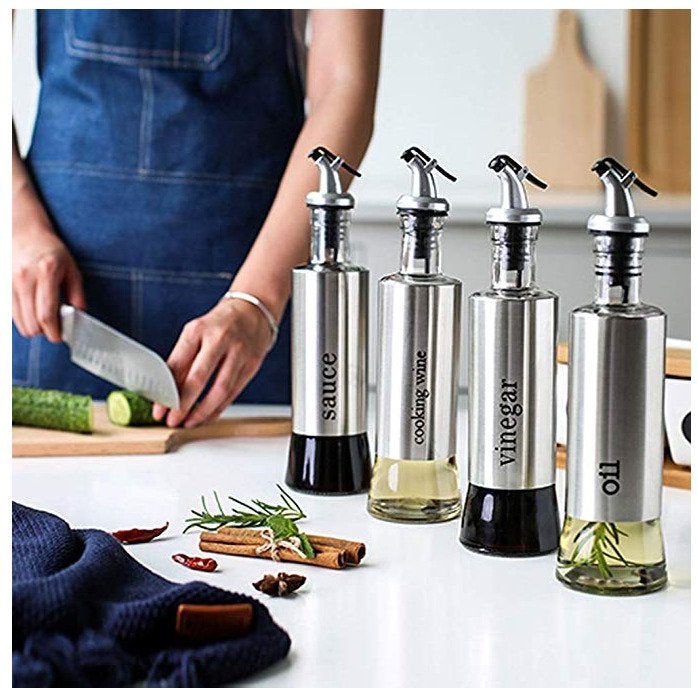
[[415, 478], [511, 506]]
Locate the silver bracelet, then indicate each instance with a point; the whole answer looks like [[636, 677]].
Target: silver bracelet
[[239, 295]]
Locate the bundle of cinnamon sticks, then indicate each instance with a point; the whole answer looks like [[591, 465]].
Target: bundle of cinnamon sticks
[[329, 552]]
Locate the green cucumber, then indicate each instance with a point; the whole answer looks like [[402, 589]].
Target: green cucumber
[[50, 408], [128, 408]]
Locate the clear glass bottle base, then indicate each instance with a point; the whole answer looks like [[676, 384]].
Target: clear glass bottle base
[[625, 581], [621, 558], [415, 510], [414, 491]]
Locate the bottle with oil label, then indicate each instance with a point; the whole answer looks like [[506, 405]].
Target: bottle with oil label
[[329, 452], [415, 478], [611, 541], [511, 507]]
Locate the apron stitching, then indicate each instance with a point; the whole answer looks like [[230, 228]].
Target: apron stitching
[[164, 56], [136, 303], [34, 367], [140, 304], [292, 56], [145, 134], [124, 273], [86, 169], [177, 37]]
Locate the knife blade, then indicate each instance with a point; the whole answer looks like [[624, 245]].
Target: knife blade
[[111, 355]]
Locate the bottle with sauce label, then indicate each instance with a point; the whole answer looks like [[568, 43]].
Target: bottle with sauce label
[[329, 452]]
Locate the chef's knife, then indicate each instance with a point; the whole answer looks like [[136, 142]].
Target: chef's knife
[[109, 354]]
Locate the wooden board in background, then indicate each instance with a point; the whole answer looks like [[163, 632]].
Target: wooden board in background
[[659, 98], [678, 360], [565, 128], [110, 439], [674, 475]]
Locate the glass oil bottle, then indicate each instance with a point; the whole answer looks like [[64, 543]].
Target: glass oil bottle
[[329, 452], [511, 507], [415, 478], [611, 541]]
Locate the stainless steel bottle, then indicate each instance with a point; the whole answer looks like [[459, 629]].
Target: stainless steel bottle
[[611, 541], [414, 475], [511, 507], [329, 450]]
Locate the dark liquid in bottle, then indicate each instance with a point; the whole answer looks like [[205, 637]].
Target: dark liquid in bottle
[[337, 465], [510, 523]]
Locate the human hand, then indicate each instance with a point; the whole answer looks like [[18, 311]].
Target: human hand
[[42, 266], [232, 339]]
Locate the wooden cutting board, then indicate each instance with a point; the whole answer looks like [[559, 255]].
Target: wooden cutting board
[[565, 131], [113, 439], [677, 364], [677, 360]]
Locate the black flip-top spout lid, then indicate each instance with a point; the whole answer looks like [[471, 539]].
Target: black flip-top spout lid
[[619, 209], [514, 208]]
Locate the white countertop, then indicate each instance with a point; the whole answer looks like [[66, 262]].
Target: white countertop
[[419, 611]]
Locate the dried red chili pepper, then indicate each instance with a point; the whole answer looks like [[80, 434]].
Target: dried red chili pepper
[[195, 562], [138, 536]]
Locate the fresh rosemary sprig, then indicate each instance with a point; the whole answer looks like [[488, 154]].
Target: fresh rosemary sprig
[[602, 542], [256, 514], [281, 519]]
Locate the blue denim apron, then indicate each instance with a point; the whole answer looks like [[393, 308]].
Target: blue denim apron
[[160, 140]]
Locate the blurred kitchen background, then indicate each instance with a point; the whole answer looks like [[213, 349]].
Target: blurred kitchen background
[[455, 82]]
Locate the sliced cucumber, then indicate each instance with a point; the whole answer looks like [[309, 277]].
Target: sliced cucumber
[[128, 408], [50, 408]]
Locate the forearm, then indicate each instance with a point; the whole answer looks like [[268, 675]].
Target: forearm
[[342, 79], [341, 122]]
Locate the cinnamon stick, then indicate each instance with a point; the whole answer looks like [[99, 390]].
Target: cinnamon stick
[[355, 550], [326, 559]]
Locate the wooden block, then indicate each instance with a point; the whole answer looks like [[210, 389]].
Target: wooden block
[[659, 98], [674, 475], [678, 360]]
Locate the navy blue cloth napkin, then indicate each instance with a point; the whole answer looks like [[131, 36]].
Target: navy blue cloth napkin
[[85, 613]]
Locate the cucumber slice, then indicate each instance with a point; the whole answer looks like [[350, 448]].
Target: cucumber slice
[[128, 408], [50, 408]]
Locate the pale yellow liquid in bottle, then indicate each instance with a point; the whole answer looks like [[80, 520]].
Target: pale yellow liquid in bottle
[[414, 491], [621, 558]]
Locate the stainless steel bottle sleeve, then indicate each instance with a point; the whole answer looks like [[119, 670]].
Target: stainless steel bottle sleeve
[[419, 338], [511, 390], [615, 438], [329, 351]]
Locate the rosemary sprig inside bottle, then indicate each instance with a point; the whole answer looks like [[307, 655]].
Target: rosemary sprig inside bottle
[[601, 541], [280, 520]]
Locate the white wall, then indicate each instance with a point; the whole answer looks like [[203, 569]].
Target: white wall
[[452, 81], [25, 81]]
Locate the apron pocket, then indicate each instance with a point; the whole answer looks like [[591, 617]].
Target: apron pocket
[[174, 39]]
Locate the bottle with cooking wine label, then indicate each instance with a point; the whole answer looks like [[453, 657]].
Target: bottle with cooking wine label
[[415, 478]]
